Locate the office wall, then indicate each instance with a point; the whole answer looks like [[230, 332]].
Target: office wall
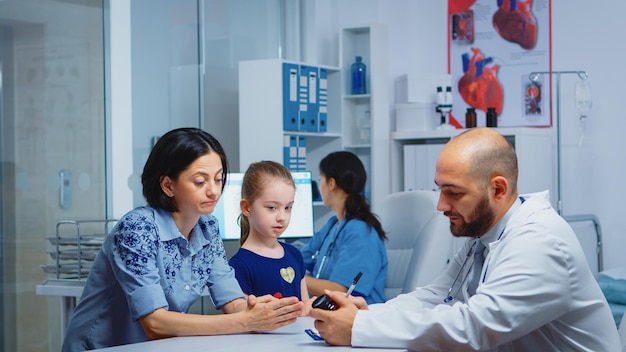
[[585, 36]]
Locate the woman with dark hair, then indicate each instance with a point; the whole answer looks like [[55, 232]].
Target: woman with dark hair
[[352, 241], [159, 258]]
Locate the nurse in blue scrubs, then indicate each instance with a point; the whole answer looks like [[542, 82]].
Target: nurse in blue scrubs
[[352, 240]]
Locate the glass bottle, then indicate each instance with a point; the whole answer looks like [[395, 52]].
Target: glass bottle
[[364, 128], [470, 118], [492, 117], [358, 70]]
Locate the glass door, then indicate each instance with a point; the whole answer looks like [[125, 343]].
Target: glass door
[[232, 31], [56, 135], [165, 70], [51, 152], [1, 217]]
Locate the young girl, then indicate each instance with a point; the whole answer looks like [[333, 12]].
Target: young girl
[[263, 265]]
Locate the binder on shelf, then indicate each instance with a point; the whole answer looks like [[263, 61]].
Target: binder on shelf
[[291, 106], [286, 145], [303, 97], [322, 99], [301, 165], [313, 107], [290, 152]]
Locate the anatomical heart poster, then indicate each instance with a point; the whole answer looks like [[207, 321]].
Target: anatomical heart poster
[[493, 47]]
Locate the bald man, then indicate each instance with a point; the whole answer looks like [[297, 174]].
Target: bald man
[[530, 289]]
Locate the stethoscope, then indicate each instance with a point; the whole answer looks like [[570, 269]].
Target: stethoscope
[[450, 297], [470, 253], [331, 247]]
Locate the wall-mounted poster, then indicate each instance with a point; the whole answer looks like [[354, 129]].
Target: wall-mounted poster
[[493, 46]]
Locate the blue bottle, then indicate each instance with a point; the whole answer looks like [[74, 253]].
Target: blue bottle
[[358, 70]]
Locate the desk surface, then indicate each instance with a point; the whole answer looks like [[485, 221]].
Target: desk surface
[[60, 287], [288, 338]]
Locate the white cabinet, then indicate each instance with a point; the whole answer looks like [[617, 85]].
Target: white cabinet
[[262, 110], [264, 95], [419, 161], [369, 42], [415, 154]]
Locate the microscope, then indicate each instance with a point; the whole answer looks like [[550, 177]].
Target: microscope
[[444, 106]]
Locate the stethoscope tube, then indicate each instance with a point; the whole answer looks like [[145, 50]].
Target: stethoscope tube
[[450, 297], [331, 247]]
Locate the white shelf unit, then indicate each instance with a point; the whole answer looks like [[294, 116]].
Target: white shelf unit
[[414, 155], [261, 133], [369, 42]]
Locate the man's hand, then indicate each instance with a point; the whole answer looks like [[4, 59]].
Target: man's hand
[[335, 326]]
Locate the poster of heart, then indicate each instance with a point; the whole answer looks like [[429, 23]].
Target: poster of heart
[[493, 46]]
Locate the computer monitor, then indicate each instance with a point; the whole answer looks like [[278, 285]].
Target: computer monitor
[[227, 209]]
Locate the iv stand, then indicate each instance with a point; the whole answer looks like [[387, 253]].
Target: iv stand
[[534, 76]]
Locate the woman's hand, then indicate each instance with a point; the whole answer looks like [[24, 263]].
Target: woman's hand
[[256, 314], [269, 313], [262, 299]]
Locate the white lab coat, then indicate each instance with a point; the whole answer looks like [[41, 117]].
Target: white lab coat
[[537, 294]]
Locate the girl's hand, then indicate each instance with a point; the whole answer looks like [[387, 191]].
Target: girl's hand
[[308, 305]]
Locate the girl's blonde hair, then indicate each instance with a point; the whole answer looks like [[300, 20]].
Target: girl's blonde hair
[[256, 177]]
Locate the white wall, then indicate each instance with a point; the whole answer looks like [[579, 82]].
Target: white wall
[[585, 36]]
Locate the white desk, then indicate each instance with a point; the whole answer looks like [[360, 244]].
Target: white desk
[[288, 338], [68, 290]]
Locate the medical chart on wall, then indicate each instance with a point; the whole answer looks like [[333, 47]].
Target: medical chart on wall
[[493, 46]]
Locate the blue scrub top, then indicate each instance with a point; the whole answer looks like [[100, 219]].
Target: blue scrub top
[[357, 248]]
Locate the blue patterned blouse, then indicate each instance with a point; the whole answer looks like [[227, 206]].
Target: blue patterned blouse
[[146, 264]]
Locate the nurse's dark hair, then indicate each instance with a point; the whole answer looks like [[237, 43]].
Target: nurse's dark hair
[[258, 175], [349, 174], [171, 155]]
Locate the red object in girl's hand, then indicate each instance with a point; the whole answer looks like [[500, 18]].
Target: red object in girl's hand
[[278, 295]]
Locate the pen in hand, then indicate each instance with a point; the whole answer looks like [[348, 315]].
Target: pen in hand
[[324, 302], [354, 282]]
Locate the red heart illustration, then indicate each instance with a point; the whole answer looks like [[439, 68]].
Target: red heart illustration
[[479, 87], [515, 22], [456, 6]]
